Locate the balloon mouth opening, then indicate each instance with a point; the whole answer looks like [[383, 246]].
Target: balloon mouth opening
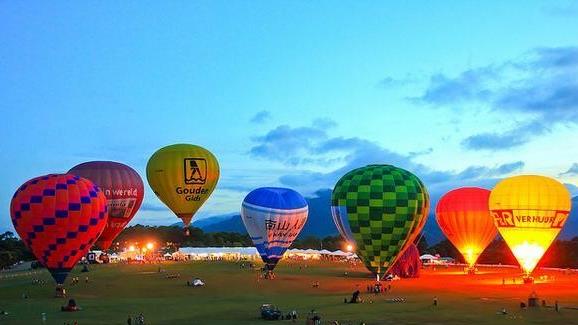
[[528, 255]]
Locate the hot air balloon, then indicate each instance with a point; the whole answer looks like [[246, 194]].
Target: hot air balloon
[[273, 217], [340, 218], [408, 264], [183, 176], [59, 217], [529, 212], [123, 189], [464, 217], [385, 207]]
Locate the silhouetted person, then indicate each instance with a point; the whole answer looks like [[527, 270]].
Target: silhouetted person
[[354, 297]]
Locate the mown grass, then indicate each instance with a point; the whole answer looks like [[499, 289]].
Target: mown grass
[[233, 296]]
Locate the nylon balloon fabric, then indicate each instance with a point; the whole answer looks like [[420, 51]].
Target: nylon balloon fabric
[[529, 212], [183, 176], [123, 188], [273, 217], [463, 215], [385, 207], [59, 217], [408, 264]]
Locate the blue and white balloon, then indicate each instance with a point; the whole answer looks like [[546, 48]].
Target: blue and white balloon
[[273, 217]]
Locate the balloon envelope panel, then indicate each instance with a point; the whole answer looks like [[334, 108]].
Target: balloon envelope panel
[[464, 217], [183, 176], [273, 217], [341, 221], [123, 189], [408, 264], [385, 206], [529, 212], [59, 217]]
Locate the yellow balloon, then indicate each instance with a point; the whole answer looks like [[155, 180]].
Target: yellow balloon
[[529, 212], [183, 176]]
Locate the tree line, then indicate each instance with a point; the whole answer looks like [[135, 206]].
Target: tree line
[[12, 250], [562, 253], [173, 237]]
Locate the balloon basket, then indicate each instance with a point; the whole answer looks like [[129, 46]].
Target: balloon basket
[[60, 292], [528, 280], [471, 271]]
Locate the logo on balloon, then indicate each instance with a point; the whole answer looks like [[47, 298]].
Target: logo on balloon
[[270, 224], [121, 208], [195, 170], [531, 219]]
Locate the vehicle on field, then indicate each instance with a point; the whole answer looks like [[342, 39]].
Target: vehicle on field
[[270, 312]]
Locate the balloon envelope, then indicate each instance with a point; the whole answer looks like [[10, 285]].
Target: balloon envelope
[[464, 217], [58, 217], [273, 217], [529, 212], [341, 220], [386, 208], [183, 176], [123, 189], [408, 264]]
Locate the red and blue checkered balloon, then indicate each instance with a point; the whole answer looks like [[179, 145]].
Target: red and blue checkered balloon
[[59, 217]]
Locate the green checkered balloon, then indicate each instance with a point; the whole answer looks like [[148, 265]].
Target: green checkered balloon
[[385, 207]]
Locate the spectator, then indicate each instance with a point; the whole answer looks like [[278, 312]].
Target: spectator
[[294, 315]]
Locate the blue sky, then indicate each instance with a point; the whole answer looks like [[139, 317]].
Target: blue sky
[[290, 93]]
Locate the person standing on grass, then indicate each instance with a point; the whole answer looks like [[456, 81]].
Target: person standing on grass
[[129, 320], [294, 315], [435, 301]]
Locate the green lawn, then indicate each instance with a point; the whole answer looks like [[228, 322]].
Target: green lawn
[[233, 296]]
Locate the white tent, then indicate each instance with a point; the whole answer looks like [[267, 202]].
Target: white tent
[[340, 253], [428, 257], [228, 253], [303, 253]]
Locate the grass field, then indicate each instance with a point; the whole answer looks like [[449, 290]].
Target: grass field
[[233, 296]]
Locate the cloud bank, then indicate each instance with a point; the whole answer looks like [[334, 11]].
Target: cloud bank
[[541, 88]]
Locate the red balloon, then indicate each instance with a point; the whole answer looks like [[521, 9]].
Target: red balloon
[[123, 189], [464, 217], [59, 217], [408, 264]]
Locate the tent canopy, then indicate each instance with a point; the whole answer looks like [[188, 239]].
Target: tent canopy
[[428, 257]]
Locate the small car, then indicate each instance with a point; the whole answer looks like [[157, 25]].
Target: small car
[[270, 312]]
